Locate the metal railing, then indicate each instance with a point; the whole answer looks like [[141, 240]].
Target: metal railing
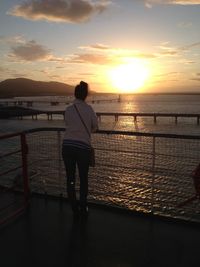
[[137, 171], [148, 172], [13, 166]]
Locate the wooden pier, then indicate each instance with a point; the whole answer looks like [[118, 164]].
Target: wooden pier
[[116, 115], [152, 115], [30, 103]]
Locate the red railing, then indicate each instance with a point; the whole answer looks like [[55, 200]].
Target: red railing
[[8, 190]]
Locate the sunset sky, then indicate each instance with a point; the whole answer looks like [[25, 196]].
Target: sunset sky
[[115, 45]]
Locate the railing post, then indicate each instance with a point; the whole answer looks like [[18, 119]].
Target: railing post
[[59, 159], [153, 173], [99, 118], [24, 149]]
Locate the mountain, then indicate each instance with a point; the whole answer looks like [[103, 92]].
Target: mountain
[[27, 87]]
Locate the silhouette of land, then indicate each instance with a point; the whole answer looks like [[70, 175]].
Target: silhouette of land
[[26, 87]]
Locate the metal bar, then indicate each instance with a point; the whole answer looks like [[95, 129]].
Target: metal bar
[[59, 160], [24, 149], [11, 170], [147, 114], [14, 214], [6, 136], [7, 206], [153, 173], [114, 132], [11, 153]]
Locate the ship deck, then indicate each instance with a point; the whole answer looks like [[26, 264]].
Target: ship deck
[[47, 235]]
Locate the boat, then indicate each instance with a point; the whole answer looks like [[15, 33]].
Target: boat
[[136, 211]]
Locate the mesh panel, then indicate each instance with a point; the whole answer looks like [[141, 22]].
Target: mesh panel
[[143, 173], [12, 194]]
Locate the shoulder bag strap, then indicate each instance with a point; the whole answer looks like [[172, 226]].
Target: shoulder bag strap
[[82, 120]]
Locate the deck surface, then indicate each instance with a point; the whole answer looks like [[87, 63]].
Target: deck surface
[[47, 235]]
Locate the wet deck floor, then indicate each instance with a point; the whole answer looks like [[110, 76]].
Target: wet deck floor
[[47, 235]]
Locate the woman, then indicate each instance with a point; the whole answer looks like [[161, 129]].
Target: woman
[[80, 121]]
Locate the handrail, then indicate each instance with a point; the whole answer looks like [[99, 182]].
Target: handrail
[[6, 136], [113, 132], [150, 114]]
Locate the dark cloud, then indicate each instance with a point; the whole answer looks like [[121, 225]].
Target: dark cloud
[[73, 11], [30, 51]]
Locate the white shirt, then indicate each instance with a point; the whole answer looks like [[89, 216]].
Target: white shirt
[[75, 129]]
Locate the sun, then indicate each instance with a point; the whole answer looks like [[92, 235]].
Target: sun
[[129, 77]]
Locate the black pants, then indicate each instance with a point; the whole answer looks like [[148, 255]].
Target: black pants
[[73, 157]]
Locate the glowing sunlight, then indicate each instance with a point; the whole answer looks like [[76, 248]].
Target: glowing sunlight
[[129, 77]]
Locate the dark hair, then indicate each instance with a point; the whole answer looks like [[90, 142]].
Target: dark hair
[[81, 90]]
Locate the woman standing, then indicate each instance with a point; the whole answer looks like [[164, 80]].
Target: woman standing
[[80, 120]]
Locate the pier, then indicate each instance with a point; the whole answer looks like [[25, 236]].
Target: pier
[[56, 102], [20, 112], [135, 116], [154, 116]]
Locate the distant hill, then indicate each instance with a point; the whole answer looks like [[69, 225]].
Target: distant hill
[[27, 87]]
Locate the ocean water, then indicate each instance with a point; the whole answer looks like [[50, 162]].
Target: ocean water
[[132, 172], [128, 103]]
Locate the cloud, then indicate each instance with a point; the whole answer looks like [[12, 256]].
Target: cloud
[[116, 54], [10, 40], [150, 3], [70, 11], [196, 79], [185, 25], [188, 62], [167, 50], [96, 47], [107, 58], [187, 47], [92, 58], [2, 69], [172, 73], [30, 51]]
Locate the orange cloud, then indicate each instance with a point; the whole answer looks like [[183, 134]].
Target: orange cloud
[[92, 58], [95, 47]]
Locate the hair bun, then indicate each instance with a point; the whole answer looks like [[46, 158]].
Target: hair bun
[[83, 84]]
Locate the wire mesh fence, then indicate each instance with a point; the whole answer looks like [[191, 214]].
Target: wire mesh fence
[[13, 176], [136, 171]]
